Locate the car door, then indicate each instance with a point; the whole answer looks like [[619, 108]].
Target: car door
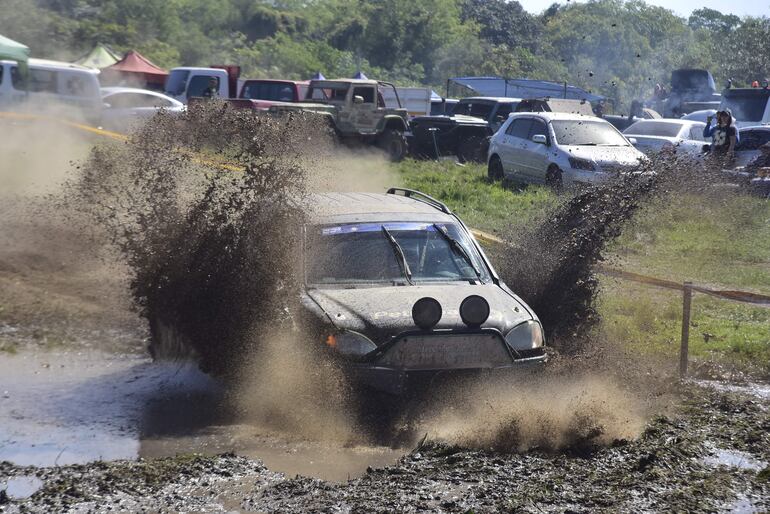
[[514, 146], [364, 115], [536, 154], [116, 114]]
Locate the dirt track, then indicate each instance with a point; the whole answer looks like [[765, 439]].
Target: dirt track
[[711, 454]]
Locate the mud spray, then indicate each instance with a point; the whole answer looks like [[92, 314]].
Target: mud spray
[[207, 210]]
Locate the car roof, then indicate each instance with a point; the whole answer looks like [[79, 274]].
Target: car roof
[[353, 207], [57, 65], [670, 121], [558, 116]]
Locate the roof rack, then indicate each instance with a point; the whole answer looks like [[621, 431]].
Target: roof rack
[[420, 197]]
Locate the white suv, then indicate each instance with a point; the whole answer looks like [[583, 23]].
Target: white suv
[[559, 149]]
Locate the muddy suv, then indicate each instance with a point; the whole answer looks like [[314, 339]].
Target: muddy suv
[[398, 289], [465, 132], [357, 112]]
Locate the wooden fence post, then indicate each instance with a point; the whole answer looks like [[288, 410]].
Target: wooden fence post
[[684, 349]]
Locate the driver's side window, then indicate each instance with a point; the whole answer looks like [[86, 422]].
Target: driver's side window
[[367, 93]]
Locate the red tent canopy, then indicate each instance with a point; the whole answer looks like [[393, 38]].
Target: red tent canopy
[[134, 66]]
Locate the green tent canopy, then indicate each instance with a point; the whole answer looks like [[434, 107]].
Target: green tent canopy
[[14, 51], [99, 57]]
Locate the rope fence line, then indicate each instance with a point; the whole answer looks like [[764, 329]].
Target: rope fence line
[[687, 288], [117, 136]]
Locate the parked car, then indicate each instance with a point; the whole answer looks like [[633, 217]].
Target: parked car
[[559, 149], [652, 136], [400, 291], [59, 88], [701, 116], [464, 132], [751, 138], [124, 106]]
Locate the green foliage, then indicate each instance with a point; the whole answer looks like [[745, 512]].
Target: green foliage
[[613, 47]]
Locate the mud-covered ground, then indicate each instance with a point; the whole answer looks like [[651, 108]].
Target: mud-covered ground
[[710, 454]]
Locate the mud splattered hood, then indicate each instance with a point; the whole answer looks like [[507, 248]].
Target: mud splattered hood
[[382, 312]]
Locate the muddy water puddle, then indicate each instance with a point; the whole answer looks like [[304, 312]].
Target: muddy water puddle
[[73, 408]]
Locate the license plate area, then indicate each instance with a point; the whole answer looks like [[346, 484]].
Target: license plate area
[[447, 351]]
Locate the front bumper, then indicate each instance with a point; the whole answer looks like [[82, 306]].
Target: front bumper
[[414, 361]]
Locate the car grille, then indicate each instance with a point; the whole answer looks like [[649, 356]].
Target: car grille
[[447, 351]]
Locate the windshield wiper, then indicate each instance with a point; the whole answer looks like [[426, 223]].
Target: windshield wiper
[[400, 254], [457, 248]]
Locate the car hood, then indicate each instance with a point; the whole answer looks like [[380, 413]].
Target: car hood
[[383, 312], [607, 155]]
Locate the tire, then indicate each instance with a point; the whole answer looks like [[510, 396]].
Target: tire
[[472, 149], [393, 142], [495, 169], [554, 178]]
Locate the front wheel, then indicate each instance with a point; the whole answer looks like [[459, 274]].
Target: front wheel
[[554, 178], [393, 142], [495, 169]]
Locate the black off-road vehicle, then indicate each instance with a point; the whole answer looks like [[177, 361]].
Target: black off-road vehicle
[[464, 132]]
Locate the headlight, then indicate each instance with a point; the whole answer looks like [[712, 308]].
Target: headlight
[[526, 336], [582, 164], [351, 343]]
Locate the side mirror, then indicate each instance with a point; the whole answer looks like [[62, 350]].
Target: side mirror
[[539, 139], [358, 100], [632, 140]]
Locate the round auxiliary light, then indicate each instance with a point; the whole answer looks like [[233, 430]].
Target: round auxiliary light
[[474, 311], [426, 313]]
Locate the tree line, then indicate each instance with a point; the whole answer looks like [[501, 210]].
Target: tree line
[[611, 47]]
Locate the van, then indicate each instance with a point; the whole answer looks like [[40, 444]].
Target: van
[[52, 84]]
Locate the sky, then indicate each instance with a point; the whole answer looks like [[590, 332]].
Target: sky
[[681, 7]]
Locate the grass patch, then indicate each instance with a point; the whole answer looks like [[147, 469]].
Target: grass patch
[[466, 190]]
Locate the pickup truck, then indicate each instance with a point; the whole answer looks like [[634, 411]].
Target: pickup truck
[[188, 82], [749, 106], [464, 133]]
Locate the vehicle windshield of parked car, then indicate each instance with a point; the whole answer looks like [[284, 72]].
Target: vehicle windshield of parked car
[[653, 128], [587, 133], [476, 109], [362, 253], [745, 107]]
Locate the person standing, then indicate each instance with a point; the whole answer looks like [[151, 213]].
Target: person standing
[[724, 135]]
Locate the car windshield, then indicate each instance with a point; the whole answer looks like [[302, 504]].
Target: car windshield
[[362, 253], [653, 128], [587, 133], [470, 108], [745, 107], [176, 82]]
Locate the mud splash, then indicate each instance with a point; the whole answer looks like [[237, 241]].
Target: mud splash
[[204, 207], [547, 413]]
